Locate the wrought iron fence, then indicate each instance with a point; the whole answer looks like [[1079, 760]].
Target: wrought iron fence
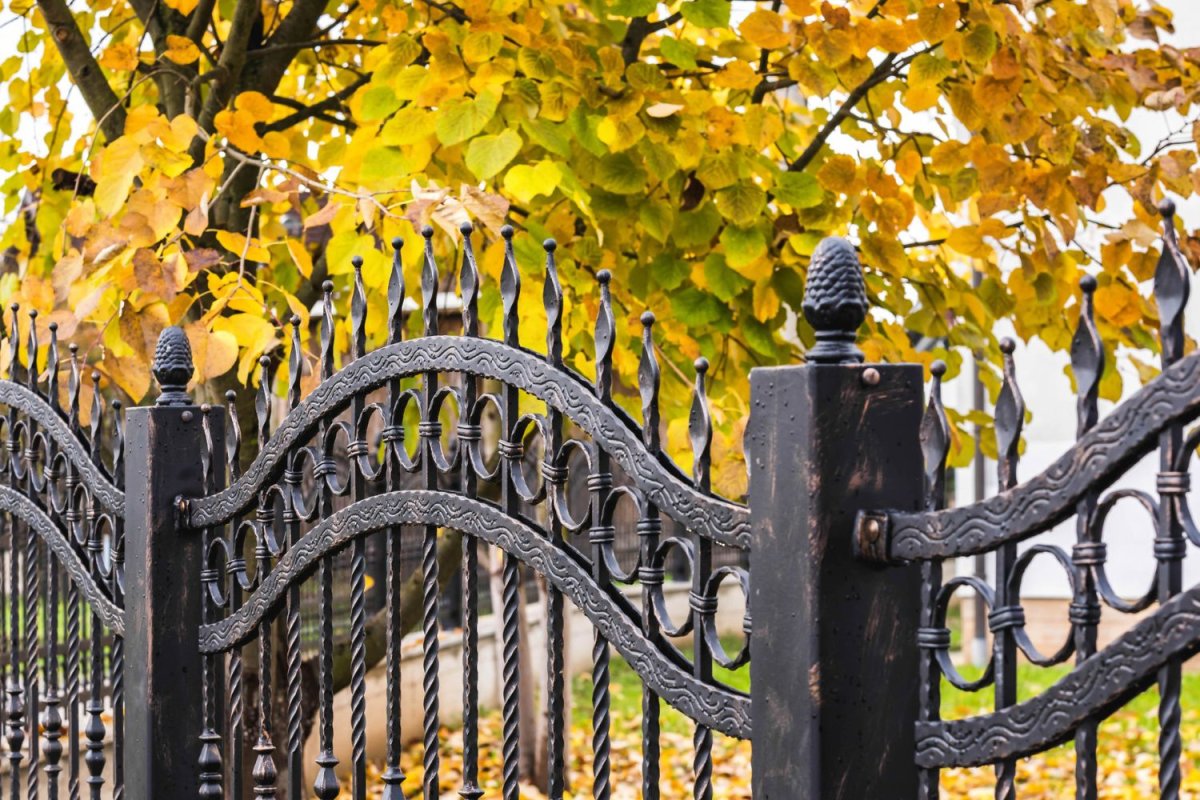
[[422, 449]]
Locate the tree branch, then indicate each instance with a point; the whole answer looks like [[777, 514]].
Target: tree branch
[[297, 26], [319, 110], [316, 43], [93, 85], [229, 66]]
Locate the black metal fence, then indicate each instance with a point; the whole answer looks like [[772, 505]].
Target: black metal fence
[[241, 597]]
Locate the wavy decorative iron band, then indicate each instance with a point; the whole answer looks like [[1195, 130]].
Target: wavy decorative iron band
[[1096, 460], [17, 504], [720, 520], [1096, 688], [53, 425], [720, 709]]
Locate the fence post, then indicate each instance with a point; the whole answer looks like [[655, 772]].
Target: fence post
[[163, 588], [834, 667]]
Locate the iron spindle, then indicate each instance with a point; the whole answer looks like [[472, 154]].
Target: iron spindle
[[1087, 362], [469, 436], [94, 729], [74, 517], [326, 785], [117, 588], [599, 484], [52, 719], [700, 434], [429, 431], [1010, 419], [649, 531], [511, 453], [211, 768], [553, 476], [14, 688], [293, 631], [358, 554], [393, 437], [1171, 289], [33, 560]]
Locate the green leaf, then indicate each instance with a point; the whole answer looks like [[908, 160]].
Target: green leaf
[[655, 219], [620, 174], [741, 203], [524, 182], [467, 117], [536, 64], [697, 227], [980, 45], [798, 190], [633, 8], [695, 308], [669, 272], [758, 335], [378, 102], [743, 246], [487, 155], [722, 281], [550, 135], [707, 13], [584, 126], [679, 52]]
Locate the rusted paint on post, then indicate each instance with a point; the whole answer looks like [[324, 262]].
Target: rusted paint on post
[[834, 658]]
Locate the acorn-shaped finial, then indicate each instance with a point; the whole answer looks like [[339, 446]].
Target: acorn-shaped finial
[[835, 301], [173, 366]]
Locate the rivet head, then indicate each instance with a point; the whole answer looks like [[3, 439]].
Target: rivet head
[[872, 530], [186, 416], [870, 377]]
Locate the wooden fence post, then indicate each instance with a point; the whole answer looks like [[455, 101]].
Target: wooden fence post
[[163, 598], [834, 667]]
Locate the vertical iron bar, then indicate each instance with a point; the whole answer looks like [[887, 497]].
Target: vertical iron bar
[[358, 554], [74, 518], [1087, 362], [32, 579], [94, 729], [700, 433], [429, 564], [553, 475], [599, 485], [210, 766], [117, 585], [15, 708], [468, 437], [649, 530], [52, 717], [293, 632], [393, 437]]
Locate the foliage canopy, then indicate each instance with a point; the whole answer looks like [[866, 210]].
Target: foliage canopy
[[238, 152]]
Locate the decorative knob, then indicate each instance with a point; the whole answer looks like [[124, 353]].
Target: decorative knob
[[173, 366], [835, 302]]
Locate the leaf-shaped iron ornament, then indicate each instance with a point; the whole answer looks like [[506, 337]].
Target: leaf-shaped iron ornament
[[1171, 288], [173, 366], [118, 450], [429, 284], [935, 439], [233, 436], [97, 421], [468, 281], [835, 302], [73, 386], [605, 329], [700, 430], [510, 289], [552, 299], [358, 312], [52, 367], [14, 343], [326, 330], [33, 351], [648, 383], [262, 403], [395, 293], [1010, 419], [1087, 359], [295, 365]]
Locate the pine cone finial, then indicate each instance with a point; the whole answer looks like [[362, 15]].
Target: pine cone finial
[[835, 301], [173, 366]]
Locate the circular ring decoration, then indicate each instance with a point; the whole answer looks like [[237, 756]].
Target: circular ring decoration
[[529, 426], [562, 463], [57, 492], [395, 432], [372, 469], [658, 600], [712, 589], [327, 467], [216, 562], [246, 531], [1096, 527], [302, 463], [941, 605], [16, 448], [445, 464], [271, 516], [608, 513], [37, 458], [475, 449], [1015, 578]]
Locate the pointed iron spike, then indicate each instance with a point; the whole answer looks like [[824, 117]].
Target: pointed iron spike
[[648, 385], [262, 402], [700, 428], [395, 294], [510, 289], [605, 337], [73, 388], [1087, 359], [1171, 288], [209, 453], [552, 300], [14, 338], [935, 439], [118, 444], [358, 312], [468, 281], [295, 365], [233, 436], [52, 358], [97, 425], [1010, 419], [32, 353], [327, 330], [429, 285]]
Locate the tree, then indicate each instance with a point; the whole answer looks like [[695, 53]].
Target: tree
[[239, 152]]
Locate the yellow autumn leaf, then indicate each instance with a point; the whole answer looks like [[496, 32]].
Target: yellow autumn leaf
[[237, 244], [238, 127], [181, 50], [765, 29], [122, 57], [276, 145], [255, 104], [184, 7]]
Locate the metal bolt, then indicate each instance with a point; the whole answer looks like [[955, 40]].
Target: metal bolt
[[186, 416], [872, 529], [870, 377]]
